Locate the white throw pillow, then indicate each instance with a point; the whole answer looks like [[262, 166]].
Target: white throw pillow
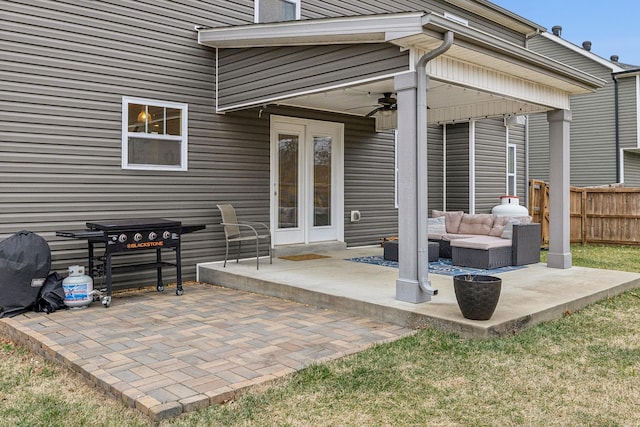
[[436, 225], [507, 232]]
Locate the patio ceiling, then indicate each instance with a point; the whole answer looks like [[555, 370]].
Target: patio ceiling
[[479, 76]]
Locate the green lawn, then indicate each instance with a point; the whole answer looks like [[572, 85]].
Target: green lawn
[[581, 370]]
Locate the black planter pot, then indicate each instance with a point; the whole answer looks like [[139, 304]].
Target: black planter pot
[[477, 296]]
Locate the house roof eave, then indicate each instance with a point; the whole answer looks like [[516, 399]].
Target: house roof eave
[[475, 39], [343, 30]]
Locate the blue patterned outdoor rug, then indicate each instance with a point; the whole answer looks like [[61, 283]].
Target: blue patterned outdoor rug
[[442, 266]]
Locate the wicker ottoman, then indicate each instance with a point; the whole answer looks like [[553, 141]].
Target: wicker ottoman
[[482, 252], [391, 251]]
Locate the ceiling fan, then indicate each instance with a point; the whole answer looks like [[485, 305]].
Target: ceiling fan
[[386, 104]]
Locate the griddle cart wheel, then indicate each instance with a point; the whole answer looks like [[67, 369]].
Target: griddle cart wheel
[[106, 301], [160, 288]]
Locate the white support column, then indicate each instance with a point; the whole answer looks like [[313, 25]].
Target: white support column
[[407, 285], [559, 180]]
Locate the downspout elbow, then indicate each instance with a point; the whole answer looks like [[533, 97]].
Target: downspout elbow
[[421, 141]]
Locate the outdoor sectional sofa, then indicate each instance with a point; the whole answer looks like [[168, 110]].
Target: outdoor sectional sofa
[[484, 240]]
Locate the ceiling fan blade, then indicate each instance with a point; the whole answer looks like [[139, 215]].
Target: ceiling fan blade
[[373, 112]]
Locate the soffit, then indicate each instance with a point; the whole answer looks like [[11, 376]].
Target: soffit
[[479, 76]]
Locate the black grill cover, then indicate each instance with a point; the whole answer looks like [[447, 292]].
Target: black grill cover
[[25, 261]]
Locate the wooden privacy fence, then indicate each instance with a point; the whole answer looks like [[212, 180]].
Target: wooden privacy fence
[[598, 214]]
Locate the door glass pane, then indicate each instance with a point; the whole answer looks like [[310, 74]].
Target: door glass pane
[[288, 147], [321, 181]]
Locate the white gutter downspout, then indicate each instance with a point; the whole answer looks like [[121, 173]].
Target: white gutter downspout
[[421, 150]]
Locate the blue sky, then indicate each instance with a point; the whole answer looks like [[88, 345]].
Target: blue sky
[[613, 27]]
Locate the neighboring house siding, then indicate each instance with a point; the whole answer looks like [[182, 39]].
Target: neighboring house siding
[[490, 158], [631, 169], [628, 111], [592, 129], [458, 167], [335, 8], [258, 74]]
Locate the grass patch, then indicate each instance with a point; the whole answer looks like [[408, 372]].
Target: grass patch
[[583, 369], [579, 370], [35, 392], [607, 257]]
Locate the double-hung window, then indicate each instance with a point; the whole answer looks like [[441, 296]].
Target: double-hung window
[[276, 10], [154, 135]]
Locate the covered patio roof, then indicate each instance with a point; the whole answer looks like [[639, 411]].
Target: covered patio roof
[[480, 76], [467, 72]]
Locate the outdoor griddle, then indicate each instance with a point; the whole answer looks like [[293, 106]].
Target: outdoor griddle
[[131, 236]]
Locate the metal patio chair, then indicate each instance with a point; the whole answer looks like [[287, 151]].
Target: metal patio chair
[[243, 231]]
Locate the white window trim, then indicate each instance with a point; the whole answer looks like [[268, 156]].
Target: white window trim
[[183, 138], [256, 9], [512, 175]]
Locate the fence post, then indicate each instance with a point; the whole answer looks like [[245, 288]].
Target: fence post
[[583, 219]]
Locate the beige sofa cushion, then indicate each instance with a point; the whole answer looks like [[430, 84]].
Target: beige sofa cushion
[[450, 237], [451, 219], [479, 224], [481, 242], [499, 222]]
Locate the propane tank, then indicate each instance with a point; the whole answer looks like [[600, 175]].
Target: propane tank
[[509, 206], [78, 288]]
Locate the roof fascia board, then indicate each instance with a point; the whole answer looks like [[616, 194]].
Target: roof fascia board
[[613, 67], [361, 29], [474, 38], [628, 73]]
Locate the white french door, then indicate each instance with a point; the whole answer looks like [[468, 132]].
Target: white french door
[[306, 180]]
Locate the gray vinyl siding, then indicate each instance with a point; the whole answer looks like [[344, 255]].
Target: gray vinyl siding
[[593, 149], [369, 183], [631, 169], [312, 9], [628, 112], [435, 167], [65, 67], [457, 136], [538, 131], [490, 160], [256, 74]]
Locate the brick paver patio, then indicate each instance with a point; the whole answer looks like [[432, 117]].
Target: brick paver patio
[[166, 355]]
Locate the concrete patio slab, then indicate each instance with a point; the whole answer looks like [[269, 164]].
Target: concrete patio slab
[[529, 295]]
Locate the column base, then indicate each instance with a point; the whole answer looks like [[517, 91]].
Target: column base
[[409, 291], [559, 260]]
